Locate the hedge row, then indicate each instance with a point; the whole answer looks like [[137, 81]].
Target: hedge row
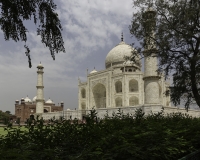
[[114, 138]]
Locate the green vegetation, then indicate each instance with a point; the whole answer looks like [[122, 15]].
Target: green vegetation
[[5, 117], [114, 138], [174, 28], [4, 132]]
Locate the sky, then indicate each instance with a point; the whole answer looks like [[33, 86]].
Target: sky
[[90, 30]]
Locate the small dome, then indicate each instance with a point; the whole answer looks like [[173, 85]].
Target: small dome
[[34, 99], [116, 56], [27, 99], [68, 109], [93, 71], [49, 101], [40, 66]]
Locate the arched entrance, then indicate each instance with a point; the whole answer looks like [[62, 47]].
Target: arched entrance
[[133, 101], [45, 110], [83, 93], [31, 117], [99, 93], [118, 102], [83, 106], [133, 85], [118, 87]]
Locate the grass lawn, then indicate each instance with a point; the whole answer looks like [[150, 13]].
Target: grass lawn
[[4, 132]]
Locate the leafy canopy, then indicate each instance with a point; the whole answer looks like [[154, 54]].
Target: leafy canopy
[[15, 12], [177, 39]]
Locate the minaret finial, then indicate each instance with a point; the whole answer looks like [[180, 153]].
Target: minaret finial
[[122, 38]]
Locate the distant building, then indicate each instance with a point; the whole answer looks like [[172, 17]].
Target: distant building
[[28, 108]]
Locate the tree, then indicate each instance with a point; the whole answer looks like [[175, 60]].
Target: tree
[[15, 12], [8, 112], [4, 117], [177, 39]]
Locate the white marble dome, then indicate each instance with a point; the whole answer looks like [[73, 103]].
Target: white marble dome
[[117, 54], [27, 99], [40, 66], [49, 101], [34, 99], [93, 71]]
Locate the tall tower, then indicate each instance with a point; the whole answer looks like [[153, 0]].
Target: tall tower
[[40, 92], [151, 76]]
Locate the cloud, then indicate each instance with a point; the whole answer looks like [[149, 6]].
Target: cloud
[[91, 24], [90, 29]]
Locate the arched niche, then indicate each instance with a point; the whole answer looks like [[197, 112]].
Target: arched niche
[[118, 87], [133, 101], [83, 106], [99, 93], [83, 93], [118, 102], [133, 85]]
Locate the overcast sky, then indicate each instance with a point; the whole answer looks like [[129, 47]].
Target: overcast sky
[[91, 28]]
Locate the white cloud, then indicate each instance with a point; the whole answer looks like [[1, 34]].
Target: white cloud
[[90, 28], [92, 23]]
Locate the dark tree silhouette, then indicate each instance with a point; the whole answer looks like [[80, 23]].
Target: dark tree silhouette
[[15, 12], [177, 40]]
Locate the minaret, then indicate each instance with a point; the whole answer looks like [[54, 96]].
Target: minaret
[[40, 92], [151, 76]]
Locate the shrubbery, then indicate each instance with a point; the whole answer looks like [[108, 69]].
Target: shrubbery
[[114, 138]]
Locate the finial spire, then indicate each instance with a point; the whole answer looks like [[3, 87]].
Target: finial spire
[[122, 38]]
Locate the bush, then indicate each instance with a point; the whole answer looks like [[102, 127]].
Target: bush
[[114, 138]]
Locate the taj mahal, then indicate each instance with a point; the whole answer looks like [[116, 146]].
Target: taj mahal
[[121, 85]]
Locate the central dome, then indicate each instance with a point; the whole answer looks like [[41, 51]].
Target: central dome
[[116, 56]]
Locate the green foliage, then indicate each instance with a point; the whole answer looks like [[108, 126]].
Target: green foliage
[[18, 121], [174, 27], [122, 136], [4, 117]]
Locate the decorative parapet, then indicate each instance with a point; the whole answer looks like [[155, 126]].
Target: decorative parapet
[[102, 112], [151, 77]]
